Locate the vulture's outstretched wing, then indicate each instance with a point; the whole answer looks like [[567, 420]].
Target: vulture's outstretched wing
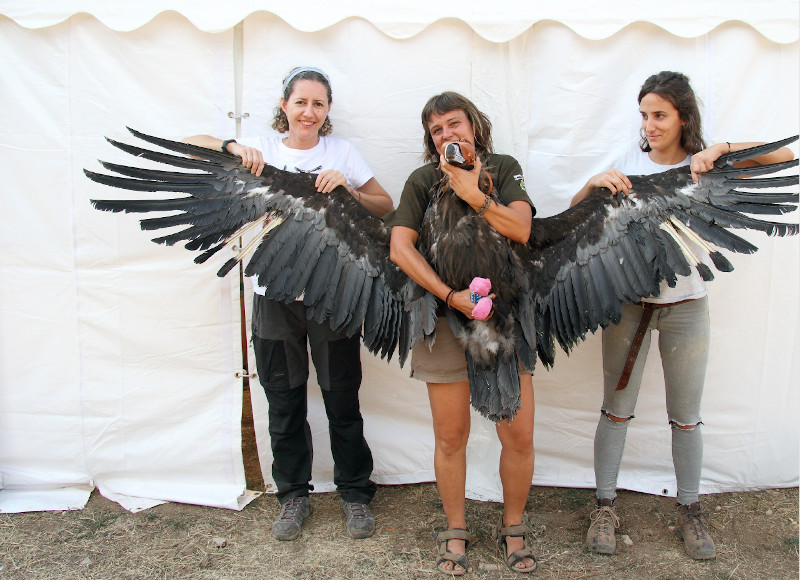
[[327, 248], [573, 275], [609, 250]]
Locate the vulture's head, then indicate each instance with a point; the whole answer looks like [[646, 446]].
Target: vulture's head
[[461, 154]]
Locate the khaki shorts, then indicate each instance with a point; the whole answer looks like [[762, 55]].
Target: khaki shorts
[[445, 362]]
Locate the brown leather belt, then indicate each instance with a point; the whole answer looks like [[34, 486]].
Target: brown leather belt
[[639, 337]]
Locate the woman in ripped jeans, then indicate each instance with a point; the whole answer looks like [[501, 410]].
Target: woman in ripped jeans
[[671, 136]]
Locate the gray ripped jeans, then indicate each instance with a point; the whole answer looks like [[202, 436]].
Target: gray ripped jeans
[[683, 341]]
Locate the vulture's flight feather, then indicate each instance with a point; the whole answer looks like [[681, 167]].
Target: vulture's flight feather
[[572, 277]]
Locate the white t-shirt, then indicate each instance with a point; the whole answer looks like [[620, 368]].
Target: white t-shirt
[[329, 153], [637, 162]]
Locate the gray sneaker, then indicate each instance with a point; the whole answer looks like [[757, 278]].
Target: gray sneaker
[[692, 529], [360, 522], [290, 522], [600, 538]]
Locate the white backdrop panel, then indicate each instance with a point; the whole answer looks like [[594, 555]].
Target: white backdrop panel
[[117, 357]]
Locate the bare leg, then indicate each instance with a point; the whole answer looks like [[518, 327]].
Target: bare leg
[[516, 464], [451, 422]]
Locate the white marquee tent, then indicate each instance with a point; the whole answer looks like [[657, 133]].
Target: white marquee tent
[[118, 358]]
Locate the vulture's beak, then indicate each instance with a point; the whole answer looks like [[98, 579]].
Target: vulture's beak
[[461, 154]]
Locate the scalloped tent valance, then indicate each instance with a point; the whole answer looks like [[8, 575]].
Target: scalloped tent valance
[[498, 21]]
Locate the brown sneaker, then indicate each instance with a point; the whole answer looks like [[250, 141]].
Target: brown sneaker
[[692, 529], [600, 537]]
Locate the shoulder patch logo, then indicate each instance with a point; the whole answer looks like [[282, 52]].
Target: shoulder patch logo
[[521, 180]]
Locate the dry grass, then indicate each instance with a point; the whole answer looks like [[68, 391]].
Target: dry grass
[[756, 535]]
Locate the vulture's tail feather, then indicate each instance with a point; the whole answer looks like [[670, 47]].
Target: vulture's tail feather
[[495, 392]]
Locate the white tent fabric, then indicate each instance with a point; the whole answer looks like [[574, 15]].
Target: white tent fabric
[[118, 358], [497, 21]]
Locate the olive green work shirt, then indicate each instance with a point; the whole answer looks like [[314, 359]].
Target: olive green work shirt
[[506, 173]]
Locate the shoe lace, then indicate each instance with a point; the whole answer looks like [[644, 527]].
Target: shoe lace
[[357, 511], [290, 508], [695, 520], [604, 518]]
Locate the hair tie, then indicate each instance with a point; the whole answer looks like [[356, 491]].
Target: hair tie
[[302, 69], [449, 295]]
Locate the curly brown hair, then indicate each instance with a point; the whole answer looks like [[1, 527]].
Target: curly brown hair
[[451, 101], [675, 88], [279, 121]]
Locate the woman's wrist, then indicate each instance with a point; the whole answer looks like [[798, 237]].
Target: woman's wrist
[[354, 192], [449, 297], [476, 199], [485, 207]]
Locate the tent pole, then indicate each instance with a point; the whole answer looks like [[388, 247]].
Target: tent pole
[[252, 466]]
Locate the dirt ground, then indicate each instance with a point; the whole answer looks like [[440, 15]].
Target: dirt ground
[[756, 535]]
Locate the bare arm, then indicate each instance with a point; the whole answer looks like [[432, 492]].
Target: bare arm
[[206, 141], [371, 194], [704, 160], [512, 221], [404, 253], [374, 197], [251, 157], [613, 179]]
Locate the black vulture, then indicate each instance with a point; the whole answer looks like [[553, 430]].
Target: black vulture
[[572, 276]]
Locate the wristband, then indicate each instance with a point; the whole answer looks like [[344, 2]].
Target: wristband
[[226, 143], [485, 206], [447, 299], [729, 146]]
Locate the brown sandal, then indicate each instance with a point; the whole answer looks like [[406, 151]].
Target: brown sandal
[[501, 532], [447, 556]]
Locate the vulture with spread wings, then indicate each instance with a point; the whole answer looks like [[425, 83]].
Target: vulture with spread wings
[[572, 276]]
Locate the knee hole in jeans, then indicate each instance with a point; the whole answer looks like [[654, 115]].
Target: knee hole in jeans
[[614, 418], [676, 425]]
